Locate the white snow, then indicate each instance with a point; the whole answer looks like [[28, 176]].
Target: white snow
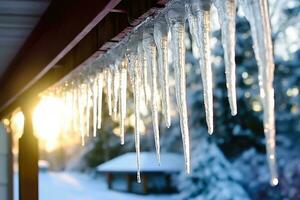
[[76, 186], [170, 162]]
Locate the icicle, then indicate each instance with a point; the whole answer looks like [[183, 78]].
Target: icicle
[[122, 104], [143, 61], [64, 97], [161, 41], [99, 106], [116, 86], [82, 105], [256, 11], [108, 90], [193, 26], [74, 108], [134, 72], [176, 22], [201, 10], [150, 50], [227, 13], [95, 107], [88, 106]]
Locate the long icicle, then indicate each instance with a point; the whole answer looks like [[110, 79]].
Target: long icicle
[[81, 105], [100, 91], [122, 103], [161, 41], [198, 15], [134, 72], [151, 53], [227, 13], [88, 106], [176, 23], [191, 17], [74, 108], [108, 90], [203, 41], [143, 62], [256, 11], [116, 86], [95, 107]]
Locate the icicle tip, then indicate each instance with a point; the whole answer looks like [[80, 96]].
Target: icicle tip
[[233, 112], [122, 142], [210, 130], [138, 178], [274, 182]]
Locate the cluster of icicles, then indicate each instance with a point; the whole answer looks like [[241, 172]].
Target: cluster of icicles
[[143, 56]]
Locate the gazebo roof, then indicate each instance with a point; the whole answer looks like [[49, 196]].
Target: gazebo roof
[[126, 163]]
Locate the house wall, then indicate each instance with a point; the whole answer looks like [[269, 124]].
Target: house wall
[[4, 163]]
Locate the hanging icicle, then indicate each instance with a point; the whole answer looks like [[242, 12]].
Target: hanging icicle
[[161, 41], [256, 11], [123, 94], [151, 53], [99, 106], [175, 19], [116, 86], [95, 104], [134, 72], [75, 107], [199, 18], [82, 117], [108, 74], [227, 13], [143, 61], [88, 107]]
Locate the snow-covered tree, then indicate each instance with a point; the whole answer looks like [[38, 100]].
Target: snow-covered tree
[[212, 176]]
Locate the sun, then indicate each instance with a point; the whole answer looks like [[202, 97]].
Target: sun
[[48, 120]]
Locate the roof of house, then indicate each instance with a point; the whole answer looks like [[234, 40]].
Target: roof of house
[[170, 162], [40, 44]]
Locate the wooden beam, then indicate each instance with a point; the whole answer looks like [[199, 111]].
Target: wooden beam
[[63, 26], [110, 29]]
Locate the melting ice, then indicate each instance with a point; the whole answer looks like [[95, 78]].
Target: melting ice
[[146, 63]]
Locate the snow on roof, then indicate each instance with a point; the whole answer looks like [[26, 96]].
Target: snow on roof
[[170, 162]]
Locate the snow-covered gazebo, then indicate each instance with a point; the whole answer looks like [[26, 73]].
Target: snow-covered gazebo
[[122, 169]]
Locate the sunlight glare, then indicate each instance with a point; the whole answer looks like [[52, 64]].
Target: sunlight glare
[[17, 123], [47, 118]]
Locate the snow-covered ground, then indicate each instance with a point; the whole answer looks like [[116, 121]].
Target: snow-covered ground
[[75, 186]]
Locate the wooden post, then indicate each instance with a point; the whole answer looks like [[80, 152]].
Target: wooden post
[[145, 183], [109, 180], [168, 181], [129, 182], [28, 157]]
